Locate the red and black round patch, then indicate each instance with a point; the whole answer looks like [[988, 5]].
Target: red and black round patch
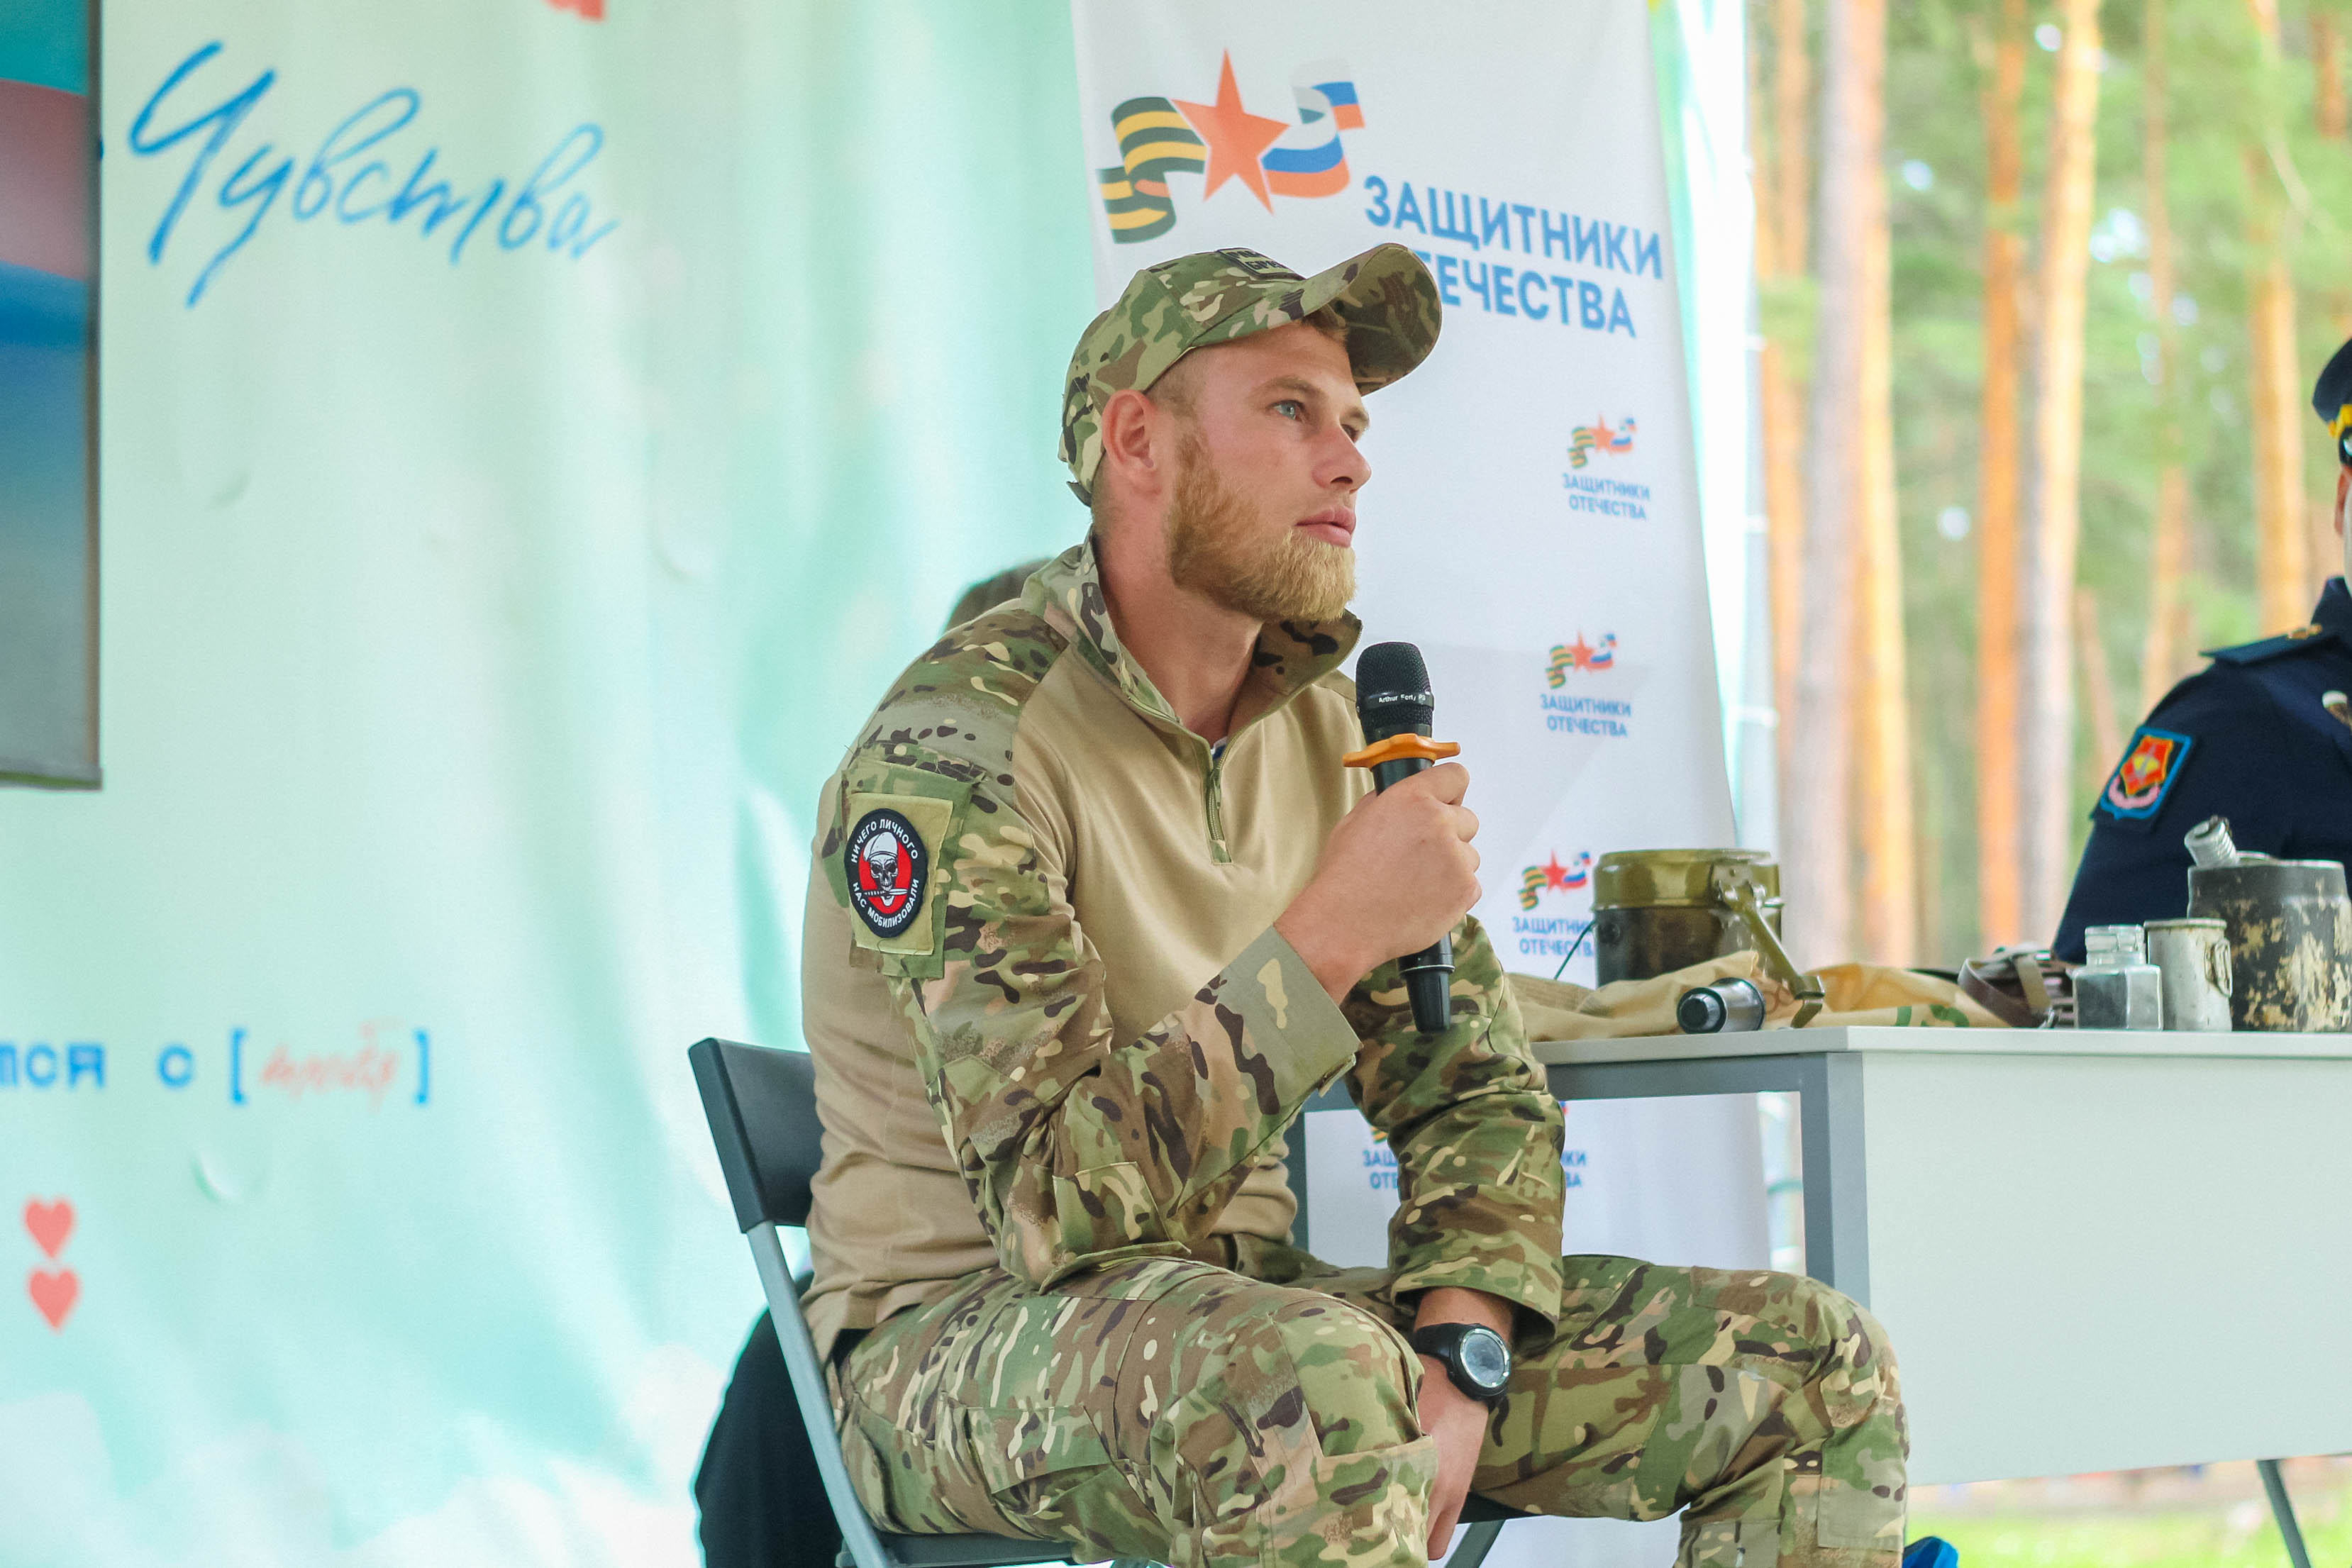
[[888, 871]]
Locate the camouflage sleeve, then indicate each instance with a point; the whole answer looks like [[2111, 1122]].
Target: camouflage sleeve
[[1475, 1132], [1079, 1148]]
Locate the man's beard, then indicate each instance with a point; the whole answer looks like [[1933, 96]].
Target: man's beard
[[1220, 550]]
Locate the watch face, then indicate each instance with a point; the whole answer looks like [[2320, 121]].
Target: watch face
[[1487, 1358]]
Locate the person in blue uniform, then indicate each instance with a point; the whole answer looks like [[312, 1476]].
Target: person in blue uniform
[[2255, 738]]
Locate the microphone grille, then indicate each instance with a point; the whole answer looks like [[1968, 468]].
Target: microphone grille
[[1392, 692]]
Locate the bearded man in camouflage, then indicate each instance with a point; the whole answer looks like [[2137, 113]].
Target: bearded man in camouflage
[[1135, 913]]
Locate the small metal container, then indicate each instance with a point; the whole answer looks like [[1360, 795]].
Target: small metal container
[[1656, 911], [2117, 988], [2290, 929], [2193, 957]]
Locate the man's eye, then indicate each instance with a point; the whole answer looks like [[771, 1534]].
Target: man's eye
[[1291, 408]]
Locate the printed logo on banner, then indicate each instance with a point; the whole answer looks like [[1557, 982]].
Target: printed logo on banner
[[1224, 141], [1587, 439], [1546, 937], [1579, 655], [1553, 877], [1607, 496], [1568, 712]]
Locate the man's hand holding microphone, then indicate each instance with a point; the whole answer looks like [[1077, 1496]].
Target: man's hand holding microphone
[[1398, 873], [1397, 876]]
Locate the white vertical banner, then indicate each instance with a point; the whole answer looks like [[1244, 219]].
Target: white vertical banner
[[1532, 521], [1660, 1179]]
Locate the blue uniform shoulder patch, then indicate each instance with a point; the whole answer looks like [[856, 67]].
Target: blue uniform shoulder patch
[[2294, 641], [2136, 790]]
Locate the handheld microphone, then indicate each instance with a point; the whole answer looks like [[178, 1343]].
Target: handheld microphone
[[1395, 708]]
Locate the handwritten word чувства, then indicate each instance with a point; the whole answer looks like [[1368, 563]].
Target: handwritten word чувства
[[358, 192]]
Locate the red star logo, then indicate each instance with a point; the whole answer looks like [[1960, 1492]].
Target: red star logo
[[1236, 138], [1580, 653], [1555, 874]]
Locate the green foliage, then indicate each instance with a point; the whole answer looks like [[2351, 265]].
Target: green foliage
[[2238, 126]]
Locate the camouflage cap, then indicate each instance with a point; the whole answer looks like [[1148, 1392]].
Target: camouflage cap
[[1385, 295]]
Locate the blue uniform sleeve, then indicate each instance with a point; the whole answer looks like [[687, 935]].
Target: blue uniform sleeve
[[2217, 745]]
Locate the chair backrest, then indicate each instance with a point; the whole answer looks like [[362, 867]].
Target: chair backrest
[[761, 1104]]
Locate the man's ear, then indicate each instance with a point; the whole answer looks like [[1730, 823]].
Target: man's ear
[[1130, 442], [2343, 487]]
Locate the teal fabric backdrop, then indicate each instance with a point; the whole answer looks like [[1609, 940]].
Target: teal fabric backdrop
[[476, 635], [480, 616]]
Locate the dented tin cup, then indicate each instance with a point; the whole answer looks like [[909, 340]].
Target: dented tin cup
[[2193, 957]]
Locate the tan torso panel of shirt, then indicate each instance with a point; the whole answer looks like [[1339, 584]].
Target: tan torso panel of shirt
[[1119, 804]]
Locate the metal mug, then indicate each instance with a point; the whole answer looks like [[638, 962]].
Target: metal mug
[[2194, 957], [2290, 940]]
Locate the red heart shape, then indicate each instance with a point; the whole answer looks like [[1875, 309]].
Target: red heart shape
[[50, 1224], [55, 1294]]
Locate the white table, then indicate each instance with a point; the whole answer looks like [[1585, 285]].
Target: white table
[[2093, 1250]]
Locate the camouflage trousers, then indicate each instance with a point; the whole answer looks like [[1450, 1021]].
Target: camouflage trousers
[[1175, 1410]]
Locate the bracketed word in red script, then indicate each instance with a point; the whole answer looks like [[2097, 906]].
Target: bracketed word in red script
[[366, 1070]]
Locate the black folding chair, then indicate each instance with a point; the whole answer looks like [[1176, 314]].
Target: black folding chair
[[761, 1105]]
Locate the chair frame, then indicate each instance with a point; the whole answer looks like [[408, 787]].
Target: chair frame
[[770, 1194]]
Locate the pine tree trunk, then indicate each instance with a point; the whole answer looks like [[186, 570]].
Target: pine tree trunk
[[1792, 91], [2163, 654], [2049, 798], [1780, 262], [1782, 411], [1890, 890], [2282, 553], [1999, 892], [2327, 62], [2282, 576], [1818, 876]]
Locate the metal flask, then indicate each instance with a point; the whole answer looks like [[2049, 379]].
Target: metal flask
[[1656, 911], [2290, 926]]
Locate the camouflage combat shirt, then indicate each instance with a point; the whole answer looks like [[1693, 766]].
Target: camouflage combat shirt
[[1054, 1027]]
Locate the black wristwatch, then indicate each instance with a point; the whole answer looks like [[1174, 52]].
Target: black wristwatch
[[1477, 1359]]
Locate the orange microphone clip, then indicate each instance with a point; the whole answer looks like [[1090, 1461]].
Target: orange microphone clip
[[1397, 747]]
